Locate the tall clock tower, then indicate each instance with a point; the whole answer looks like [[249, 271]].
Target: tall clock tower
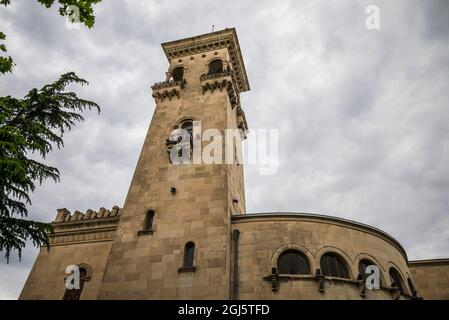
[[173, 240]]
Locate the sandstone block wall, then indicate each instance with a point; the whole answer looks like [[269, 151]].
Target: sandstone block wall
[[264, 237], [431, 278]]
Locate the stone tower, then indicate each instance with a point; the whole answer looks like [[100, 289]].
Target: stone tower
[[173, 239], [183, 232]]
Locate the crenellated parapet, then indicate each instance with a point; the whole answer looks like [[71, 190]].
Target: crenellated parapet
[[83, 227], [64, 215]]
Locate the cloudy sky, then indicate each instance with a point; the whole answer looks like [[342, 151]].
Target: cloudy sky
[[362, 114]]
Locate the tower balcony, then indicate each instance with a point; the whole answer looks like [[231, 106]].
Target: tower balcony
[[223, 80], [241, 122], [167, 89]]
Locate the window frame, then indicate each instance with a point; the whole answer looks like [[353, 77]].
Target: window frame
[[411, 287], [394, 272], [218, 70], [188, 259], [342, 263], [189, 254], [300, 254], [173, 73], [362, 273], [183, 146], [149, 220], [148, 223]]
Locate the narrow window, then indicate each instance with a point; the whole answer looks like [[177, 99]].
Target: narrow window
[[149, 220], [177, 73], [293, 262], [148, 224], [180, 143], [215, 66], [333, 265], [189, 253], [396, 279], [186, 148]]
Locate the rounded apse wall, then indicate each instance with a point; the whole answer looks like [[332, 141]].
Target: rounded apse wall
[[332, 250]]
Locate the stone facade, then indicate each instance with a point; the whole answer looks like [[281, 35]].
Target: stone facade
[[431, 278], [144, 251], [79, 239], [263, 237]]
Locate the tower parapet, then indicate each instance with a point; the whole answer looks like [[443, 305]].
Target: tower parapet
[[80, 227], [65, 215]]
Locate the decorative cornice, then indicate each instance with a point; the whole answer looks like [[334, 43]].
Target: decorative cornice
[[241, 121], [226, 38], [221, 81], [167, 89], [80, 227], [212, 76], [226, 80], [168, 84], [429, 262], [241, 218]]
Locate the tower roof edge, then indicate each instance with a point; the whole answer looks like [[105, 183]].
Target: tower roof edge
[[226, 38]]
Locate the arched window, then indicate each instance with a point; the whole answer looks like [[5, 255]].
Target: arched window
[[149, 220], [215, 66], [293, 262], [333, 265], [188, 126], [363, 264], [177, 73], [186, 147], [412, 287], [396, 279], [189, 252], [180, 143], [148, 224], [75, 294]]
